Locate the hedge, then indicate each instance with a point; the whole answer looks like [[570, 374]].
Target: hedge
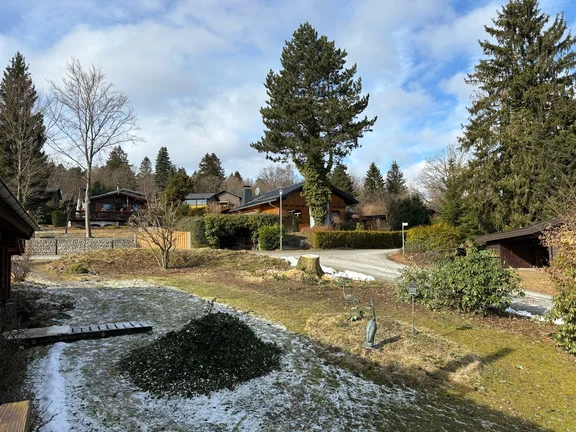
[[225, 230], [269, 237], [58, 218], [439, 236], [196, 227], [357, 239]]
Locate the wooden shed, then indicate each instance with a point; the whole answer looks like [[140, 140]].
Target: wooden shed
[[15, 227], [522, 247]]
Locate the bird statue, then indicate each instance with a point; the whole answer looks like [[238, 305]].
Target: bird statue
[[371, 328], [349, 297]]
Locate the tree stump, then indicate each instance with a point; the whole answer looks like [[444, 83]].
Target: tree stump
[[310, 264]]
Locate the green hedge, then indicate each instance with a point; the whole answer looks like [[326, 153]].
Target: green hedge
[[227, 230], [269, 237], [196, 227], [58, 218], [357, 239], [439, 236]]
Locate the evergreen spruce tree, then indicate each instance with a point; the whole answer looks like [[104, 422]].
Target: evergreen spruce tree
[[311, 114], [117, 158], [211, 166], [163, 169], [342, 180], [373, 183], [117, 172], [23, 164], [178, 187], [395, 183], [145, 177], [521, 129]]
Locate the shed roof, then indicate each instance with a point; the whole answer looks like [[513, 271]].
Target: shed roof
[[519, 232], [13, 217], [274, 195]]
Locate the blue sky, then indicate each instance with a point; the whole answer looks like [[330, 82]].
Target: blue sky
[[194, 69]]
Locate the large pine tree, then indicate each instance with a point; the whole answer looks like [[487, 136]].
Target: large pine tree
[[164, 168], [373, 183], [23, 164], [145, 177], [311, 112], [210, 165], [342, 180], [395, 183], [521, 129]]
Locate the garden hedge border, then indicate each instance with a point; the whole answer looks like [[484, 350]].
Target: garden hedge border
[[357, 239]]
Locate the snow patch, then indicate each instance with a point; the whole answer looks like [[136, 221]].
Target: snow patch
[[527, 314], [346, 274]]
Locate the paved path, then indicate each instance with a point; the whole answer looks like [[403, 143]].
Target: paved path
[[376, 263]]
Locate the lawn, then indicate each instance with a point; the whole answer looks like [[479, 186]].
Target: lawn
[[499, 367], [536, 280]]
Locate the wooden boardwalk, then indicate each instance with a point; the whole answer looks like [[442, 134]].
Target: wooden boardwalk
[[15, 417], [67, 333]]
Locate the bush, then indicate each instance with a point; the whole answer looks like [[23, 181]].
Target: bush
[[42, 213], [269, 237], [78, 268], [357, 239], [226, 230], [58, 218], [565, 309], [437, 237], [472, 283], [21, 267], [214, 352], [196, 227]]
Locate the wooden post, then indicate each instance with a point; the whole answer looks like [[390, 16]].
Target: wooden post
[[5, 270]]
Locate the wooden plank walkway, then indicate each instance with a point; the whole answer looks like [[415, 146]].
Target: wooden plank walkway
[[15, 417], [67, 333]]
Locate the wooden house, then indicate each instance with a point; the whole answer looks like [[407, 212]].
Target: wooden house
[[15, 227], [294, 204], [522, 247], [223, 198], [111, 208]]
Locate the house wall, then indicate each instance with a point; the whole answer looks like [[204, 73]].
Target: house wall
[[232, 199], [298, 204], [117, 201], [524, 252]]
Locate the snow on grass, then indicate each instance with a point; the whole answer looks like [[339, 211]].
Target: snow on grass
[[346, 274], [82, 381], [527, 314]]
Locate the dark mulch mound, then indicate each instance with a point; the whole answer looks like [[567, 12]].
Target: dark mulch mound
[[214, 352]]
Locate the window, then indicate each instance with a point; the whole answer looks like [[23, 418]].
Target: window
[[108, 207]]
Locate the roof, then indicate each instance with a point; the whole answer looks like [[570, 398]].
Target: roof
[[519, 232], [55, 190], [274, 195], [13, 216], [126, 192], [200, 195]]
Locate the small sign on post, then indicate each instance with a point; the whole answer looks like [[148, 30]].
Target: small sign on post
[[413, 290]]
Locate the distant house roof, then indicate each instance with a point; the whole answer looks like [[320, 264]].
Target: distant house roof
[[207, 195], [13, 217], [118, 192], [519, 232], [274, 195], [57, 191]]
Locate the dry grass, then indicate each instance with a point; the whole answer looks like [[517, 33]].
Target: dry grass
[[77, 232], [506, 363], [536, 280]]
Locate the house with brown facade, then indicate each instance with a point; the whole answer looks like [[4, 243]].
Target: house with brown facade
[[294, 204], [223, 198], [111, 208], [522, 247], [15, 227]]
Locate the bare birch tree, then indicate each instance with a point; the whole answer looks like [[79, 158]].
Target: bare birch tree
[[89, 116]]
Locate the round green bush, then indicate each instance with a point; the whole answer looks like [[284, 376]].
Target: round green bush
[[214, 352], [78, 268], [269, 237], [58, 218]]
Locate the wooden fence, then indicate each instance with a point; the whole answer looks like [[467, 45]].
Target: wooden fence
[[182, 240]]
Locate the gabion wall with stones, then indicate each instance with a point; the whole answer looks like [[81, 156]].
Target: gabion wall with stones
[[62, 246]]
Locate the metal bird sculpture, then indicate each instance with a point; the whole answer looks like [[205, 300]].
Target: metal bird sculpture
[[349, 297], [371, 328]]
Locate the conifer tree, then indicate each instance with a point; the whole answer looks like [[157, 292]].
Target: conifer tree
[[117, 172], [311, 113], [163, 169], [373, 183], [210, 165], [342, 180], [521, 128], [179, 185], [23, 164], [145, 177], [395, 183]]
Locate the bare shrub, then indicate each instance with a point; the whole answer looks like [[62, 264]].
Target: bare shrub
[[21, 267]]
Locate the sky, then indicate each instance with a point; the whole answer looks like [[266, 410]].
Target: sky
[[194, 69]]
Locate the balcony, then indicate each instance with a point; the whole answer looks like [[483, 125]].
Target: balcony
[[121, 216]]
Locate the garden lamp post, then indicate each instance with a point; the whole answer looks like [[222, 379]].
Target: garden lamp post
[[404, 224], [280, 190]]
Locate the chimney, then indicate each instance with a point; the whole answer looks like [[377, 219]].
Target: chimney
[[246, 195]]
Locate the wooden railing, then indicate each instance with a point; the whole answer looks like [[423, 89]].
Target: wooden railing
[[102, 215]]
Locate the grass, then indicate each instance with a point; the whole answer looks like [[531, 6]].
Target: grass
[[504, 363], [536, 280], [80, 232]]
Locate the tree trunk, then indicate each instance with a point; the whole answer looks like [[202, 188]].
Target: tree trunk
[[310, 264], [87, 205]]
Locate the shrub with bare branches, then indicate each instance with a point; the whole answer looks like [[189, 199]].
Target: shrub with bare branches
[[562, 239], [21, 267], [157, 223]]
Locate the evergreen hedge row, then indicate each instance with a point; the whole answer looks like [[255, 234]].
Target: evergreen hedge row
[[225, 230], [357, 239]]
